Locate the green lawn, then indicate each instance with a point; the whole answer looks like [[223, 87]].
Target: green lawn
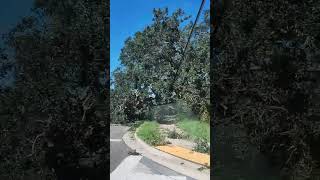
[[195, 129], [149, 132]]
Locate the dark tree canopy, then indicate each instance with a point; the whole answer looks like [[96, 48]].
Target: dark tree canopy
[[264, 82], [56, 115]]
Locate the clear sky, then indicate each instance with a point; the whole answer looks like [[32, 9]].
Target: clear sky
[[130, 16], [127, 17], [11, 12]]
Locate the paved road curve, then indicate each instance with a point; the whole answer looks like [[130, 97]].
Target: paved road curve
[[136, 167]]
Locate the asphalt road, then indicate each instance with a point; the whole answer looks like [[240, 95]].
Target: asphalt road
[[118, 149]]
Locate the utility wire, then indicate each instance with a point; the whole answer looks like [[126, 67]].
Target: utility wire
[[185, 48], [194, 24]]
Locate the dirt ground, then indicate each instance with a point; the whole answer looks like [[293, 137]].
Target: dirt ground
[[182, 142]]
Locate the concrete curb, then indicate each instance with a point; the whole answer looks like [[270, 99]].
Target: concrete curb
[[172, 162]]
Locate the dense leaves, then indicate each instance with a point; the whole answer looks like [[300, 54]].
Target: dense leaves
[[264, 81], [55, 116], [154, 71]]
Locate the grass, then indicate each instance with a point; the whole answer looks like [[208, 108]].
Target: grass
[[198, 131], [195, 129], [149, 132]]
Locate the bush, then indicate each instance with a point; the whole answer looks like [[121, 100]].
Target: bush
[[174, 134], [205, 115], [150, 133], [202, 146]]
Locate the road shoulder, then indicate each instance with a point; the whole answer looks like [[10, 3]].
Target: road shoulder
[[177, 164]]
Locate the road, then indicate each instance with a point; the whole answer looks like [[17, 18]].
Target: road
[[145, 168], [118, 149]]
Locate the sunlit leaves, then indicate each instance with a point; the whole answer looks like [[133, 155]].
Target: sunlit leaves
[[152, 61]]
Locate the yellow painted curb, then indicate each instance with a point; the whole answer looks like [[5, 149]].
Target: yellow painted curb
[[187, 154]]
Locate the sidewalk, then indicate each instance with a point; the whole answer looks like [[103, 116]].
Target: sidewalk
[[187, 154], [179, 165]]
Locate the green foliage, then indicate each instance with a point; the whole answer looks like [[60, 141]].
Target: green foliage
[[202, 146], [152, 65], [205, 115], [195, 129], [149, 132]]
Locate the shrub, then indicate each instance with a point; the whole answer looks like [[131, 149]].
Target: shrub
[[174, 134], [202, 146], [150, 133]]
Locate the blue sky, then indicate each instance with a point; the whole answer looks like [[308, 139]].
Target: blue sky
[[127, 17], [11, 12], [130, 16]]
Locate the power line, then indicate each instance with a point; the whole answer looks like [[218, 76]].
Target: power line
[[194, 24], [185, 49]]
